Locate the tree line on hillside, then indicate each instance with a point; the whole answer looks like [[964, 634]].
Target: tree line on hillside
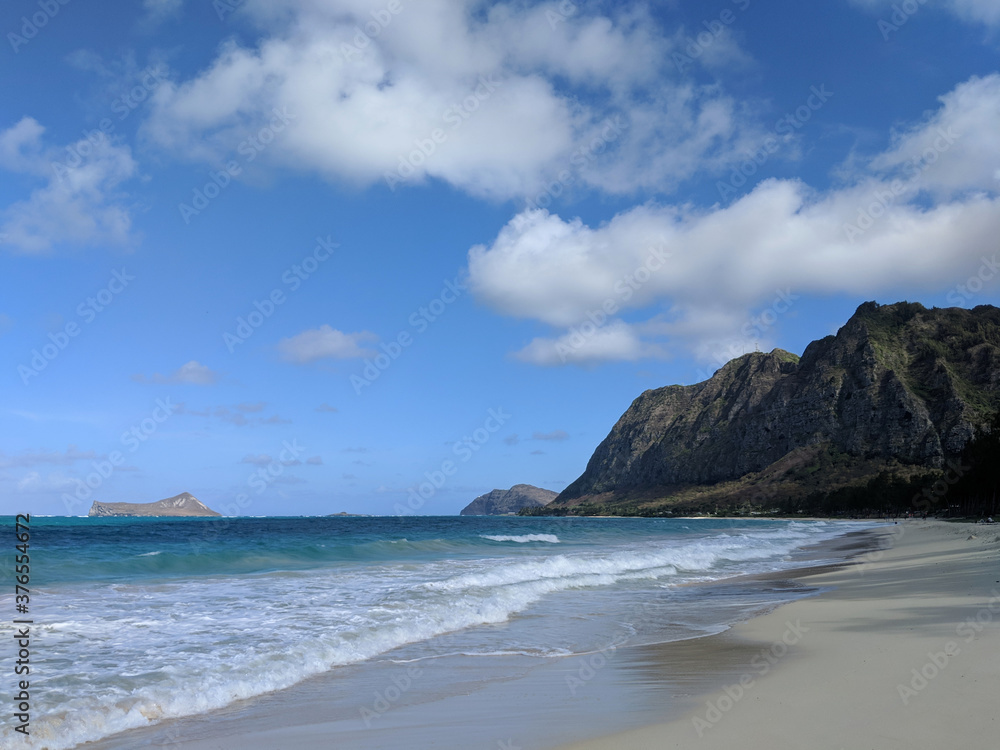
[[976, 490], [967, 486]]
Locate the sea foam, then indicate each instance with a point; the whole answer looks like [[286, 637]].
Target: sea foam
[[522, 538], [129, 653]]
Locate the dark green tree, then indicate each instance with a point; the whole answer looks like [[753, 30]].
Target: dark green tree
[[978, 488]]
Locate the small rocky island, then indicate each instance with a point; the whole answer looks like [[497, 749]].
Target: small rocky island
[[182, 505], [509, 502]]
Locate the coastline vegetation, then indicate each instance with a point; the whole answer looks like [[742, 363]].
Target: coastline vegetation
[[825, 482]]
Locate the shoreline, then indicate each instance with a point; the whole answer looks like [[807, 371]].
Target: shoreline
[[900, 650], [642, 683]]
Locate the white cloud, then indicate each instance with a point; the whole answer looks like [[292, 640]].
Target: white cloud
[[556, 271], [324, 343], [33, 481], [517, 97], [555, 435], [230, 417], [259, 460], [69, 456], [587, 345], [79, 204], [275, 419], [594, 50], [956, 148], [697, 274], [191, 373], [986, 11], [715, 51], [160, 10], [21, 147], [978, 11]]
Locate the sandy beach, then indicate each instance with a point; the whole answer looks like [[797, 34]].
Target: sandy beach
[[902, 652]]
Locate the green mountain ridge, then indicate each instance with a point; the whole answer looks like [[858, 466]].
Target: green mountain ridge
[[895, 394]]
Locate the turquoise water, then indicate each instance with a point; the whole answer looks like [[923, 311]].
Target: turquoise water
[[141, 620]]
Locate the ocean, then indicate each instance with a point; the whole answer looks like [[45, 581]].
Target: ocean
[[138, 621]]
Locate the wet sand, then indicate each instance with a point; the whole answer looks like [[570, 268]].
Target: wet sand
[[903, 651]]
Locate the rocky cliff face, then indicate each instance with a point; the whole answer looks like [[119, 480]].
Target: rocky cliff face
[[502, 502], [184, 504], [898, 383]]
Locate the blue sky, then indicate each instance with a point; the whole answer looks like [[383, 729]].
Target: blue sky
[[462, 236]]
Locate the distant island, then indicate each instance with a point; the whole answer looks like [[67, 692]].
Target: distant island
[[182, 505], [509, 502], [878, 418]]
